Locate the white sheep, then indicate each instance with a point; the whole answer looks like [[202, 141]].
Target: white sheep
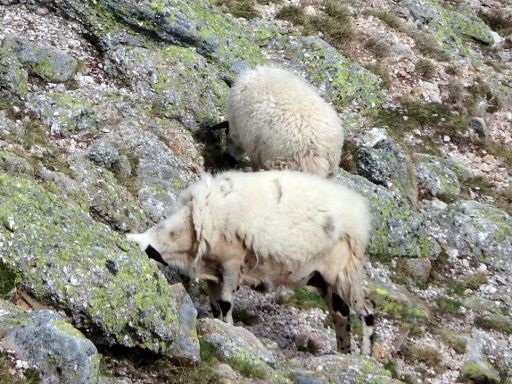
[[281, 122], [281, 228]]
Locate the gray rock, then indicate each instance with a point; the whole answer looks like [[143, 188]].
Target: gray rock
[[479, 126], [476, 368], [418, 270], [13, 77], [385, 164], [15, 165], [9, 128], [345, 369], [177, 81], [435, 177], [505, 55], [234, 343], [111, 290], [311, 380], [103, 153], [49, 63], [397, 302], [59, 352], [398, 228], [65, 114], [476, 229]]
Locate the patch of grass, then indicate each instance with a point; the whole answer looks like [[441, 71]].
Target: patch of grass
[[391, 20], [239, 8], [378, 47], [266, 2], [473, 282], [457, 344], [304, 298], [425, 68], [334, 23], [428, 355], [380, 71], [31, 376], [336, 9], [248, 368], [451, 70], [292, 13], [446, 305], [245, 316], [495, 322]]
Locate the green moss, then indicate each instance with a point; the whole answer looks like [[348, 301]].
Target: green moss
[[304, 298], [249, 367]]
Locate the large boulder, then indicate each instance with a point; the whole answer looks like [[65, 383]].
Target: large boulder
[[44, 340], [112, 292]]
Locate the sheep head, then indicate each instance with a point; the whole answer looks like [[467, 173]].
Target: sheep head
[[171, 241]]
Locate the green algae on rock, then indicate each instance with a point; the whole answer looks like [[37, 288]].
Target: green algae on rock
[[338, 79], [66, 259], [177, 81], [13, 77]]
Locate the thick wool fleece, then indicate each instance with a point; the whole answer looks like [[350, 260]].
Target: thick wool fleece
[[281, 122]]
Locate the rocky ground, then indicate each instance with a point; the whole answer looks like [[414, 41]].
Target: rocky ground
[[103, 114]]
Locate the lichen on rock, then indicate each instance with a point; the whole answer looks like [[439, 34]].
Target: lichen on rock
[[113, 292]]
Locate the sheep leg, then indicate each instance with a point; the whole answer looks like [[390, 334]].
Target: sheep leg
[[339, 310], [365, 310], [214, 290], [230, 278], [340, 313]]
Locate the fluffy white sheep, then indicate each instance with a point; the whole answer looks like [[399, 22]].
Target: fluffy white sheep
[[281, 228], [281, 122]]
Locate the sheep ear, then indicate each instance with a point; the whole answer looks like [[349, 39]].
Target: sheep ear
[[140, 239]]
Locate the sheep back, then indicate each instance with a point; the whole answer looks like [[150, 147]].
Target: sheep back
[[287, 215], [281, 122]]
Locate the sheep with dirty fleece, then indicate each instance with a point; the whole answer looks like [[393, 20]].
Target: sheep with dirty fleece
[[281, 122], [281, 228]]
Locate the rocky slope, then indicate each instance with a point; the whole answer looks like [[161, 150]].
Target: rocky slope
[[104, 109]]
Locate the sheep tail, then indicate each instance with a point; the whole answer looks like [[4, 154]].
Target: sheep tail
[[350, 279]]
